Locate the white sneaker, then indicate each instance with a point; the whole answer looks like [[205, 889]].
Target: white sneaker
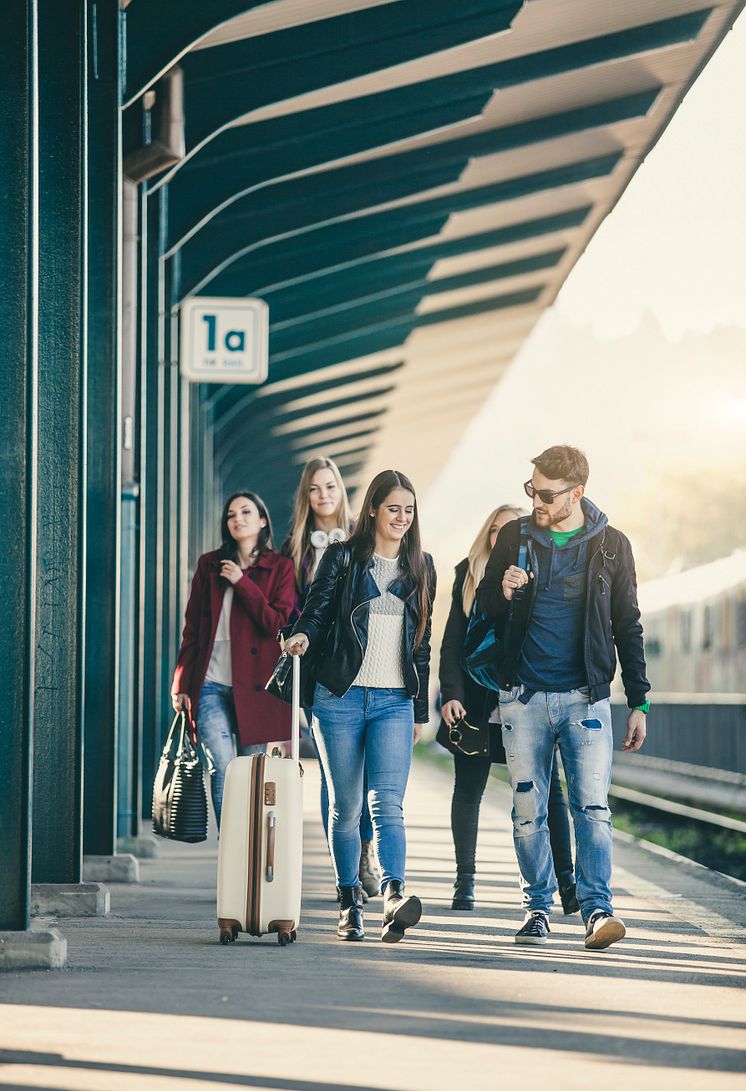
[[603, 929]]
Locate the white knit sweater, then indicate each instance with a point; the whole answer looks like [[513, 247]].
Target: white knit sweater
[[383, 663]]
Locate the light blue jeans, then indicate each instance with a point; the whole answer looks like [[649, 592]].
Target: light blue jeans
[[373, 729], [218, 733], [366, 826], [583, 733]]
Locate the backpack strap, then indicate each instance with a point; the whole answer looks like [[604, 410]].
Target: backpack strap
[[523, 542]]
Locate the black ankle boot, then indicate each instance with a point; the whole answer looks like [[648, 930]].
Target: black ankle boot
[[569, 898], [351, 914], [463, 891], [361, 889], [400, 911]]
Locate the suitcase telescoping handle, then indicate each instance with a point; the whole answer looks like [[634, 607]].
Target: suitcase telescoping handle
[[270, 868], [295, 724]]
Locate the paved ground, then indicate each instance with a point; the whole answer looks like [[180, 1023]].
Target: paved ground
[[151, 1002]]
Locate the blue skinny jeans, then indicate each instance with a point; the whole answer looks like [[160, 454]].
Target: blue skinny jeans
[[218, 732], [369, 729]]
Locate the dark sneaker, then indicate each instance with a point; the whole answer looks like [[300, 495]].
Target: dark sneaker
[[602, 930], [535, 928]]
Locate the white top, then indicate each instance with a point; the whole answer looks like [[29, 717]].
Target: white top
[[219, 668], [383, 662]]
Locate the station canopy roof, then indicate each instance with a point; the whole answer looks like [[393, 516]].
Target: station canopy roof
[[407, 183]]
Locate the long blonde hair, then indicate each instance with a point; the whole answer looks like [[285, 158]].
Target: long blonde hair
[[479, 554], [299, 539]]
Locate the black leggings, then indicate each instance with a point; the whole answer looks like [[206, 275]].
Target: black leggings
[[470, 780]]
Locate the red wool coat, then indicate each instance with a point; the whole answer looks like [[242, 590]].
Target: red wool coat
[[263, 601]]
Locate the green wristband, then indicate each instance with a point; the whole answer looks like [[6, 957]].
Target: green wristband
[[642, 708]]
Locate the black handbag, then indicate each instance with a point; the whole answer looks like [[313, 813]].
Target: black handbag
[[475, 742], [179, 796], [280, 682]]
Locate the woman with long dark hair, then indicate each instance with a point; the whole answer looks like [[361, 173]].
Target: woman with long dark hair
[[242, 593], [367, 623], [465, 699], [321, 515]]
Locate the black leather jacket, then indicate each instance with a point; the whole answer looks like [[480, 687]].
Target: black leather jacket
[[455, 683], [335, 620], [612, 616]]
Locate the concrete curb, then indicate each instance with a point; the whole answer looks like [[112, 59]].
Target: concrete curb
[[122, 868], [30, 950], [69, 900], [144, 848]]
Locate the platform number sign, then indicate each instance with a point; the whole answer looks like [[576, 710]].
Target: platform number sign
[[224, 340]]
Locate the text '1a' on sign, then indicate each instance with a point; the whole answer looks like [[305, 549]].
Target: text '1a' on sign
[[224, 340]]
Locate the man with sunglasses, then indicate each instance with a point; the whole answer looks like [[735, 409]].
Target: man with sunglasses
[[561, 586]]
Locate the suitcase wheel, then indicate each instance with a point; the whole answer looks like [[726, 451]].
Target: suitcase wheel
[[228, 935], [284, 938], [293, 936]]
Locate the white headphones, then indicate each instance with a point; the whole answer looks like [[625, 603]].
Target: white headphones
[[320, 539]]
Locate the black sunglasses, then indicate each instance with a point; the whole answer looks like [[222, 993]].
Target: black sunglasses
[[545, 495]]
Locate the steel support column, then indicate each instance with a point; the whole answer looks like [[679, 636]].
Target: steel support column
[[128, 759], [18, 367], [58, 743], [103, 417]]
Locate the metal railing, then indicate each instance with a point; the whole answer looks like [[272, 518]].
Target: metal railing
[[701, 729]]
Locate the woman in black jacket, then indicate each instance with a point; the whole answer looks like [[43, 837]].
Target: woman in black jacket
[[366, 622], [463, 698]]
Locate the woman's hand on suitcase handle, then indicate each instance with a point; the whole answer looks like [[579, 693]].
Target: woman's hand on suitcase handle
[[297, 645], [452, 712], [182, 701]]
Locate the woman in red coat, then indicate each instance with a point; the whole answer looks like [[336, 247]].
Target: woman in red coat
[[241, 595]]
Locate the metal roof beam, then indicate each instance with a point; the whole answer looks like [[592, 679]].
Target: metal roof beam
[[332, 246], [293, 143], [334, 289], [330, 197]]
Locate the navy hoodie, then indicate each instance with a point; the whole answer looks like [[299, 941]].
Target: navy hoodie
[[552, 657]]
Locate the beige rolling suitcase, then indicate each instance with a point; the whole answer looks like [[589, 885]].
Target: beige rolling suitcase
[[260, 852]]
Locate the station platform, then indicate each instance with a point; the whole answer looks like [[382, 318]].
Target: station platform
[[150, 1001]]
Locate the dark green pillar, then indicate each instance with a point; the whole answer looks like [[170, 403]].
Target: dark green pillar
[[18, 367], [103, 423], [58, 747]]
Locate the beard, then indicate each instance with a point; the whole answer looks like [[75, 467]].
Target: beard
[[546, 519]]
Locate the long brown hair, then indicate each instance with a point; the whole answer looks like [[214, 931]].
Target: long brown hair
[[302, 526], [479, 554], [363, 540]]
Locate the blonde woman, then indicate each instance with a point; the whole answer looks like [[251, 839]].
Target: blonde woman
[[463, 698], [321, 515]]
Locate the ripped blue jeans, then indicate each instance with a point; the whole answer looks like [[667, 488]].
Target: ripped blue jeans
[[583, 733]]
